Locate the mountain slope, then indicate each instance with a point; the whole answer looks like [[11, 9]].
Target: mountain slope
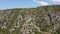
[[40, 20]]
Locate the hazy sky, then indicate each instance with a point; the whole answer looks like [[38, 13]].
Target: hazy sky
[[4, 4]]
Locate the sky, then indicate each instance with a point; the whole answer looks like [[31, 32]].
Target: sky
[[7, 4]]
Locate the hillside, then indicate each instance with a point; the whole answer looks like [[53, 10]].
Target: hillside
[[39, 20]]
